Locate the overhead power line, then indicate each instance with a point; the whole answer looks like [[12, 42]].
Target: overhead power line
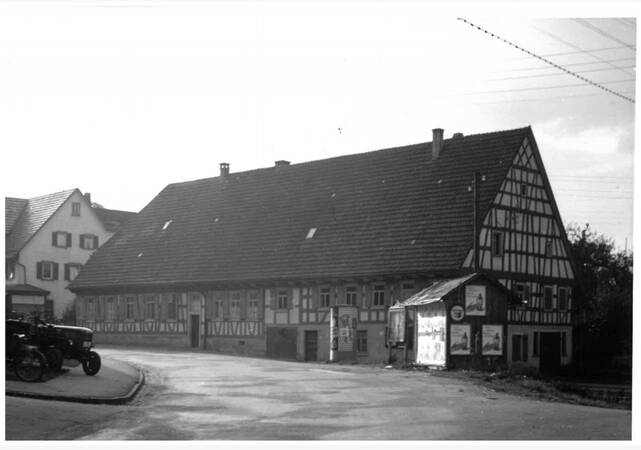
[[555, 74], [547, 61], [571, 45], [596, 29]]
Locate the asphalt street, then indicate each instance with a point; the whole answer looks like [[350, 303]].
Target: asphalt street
[[204, 396]]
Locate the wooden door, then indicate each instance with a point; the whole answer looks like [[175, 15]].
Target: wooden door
[[194, 327], [550, 353], [311, 345]]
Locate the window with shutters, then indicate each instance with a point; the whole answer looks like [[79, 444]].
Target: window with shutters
[[71, 271], [325, 297], [282, 299], [361, 341], [548, 303], [234, 311], [252, 305], [350, 295], [172, 306], [75, 209], [61, 239], [379, 295], [110, 308], [48, 270], [130, 305], [88, 241], [563, 299]]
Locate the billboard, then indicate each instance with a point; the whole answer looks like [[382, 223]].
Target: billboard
[[430, 348]]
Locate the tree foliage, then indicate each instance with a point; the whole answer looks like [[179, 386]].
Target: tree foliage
[[604, 307]]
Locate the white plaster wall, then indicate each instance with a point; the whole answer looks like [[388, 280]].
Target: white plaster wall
[[40, 249]]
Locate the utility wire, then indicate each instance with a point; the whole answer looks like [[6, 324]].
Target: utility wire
[[560, 86], [555, 74], [548, 61], [569, 44], [596, 29], [585, 63]]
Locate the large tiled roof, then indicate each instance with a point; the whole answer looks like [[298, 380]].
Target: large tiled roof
[[388, 212], [12, 209], [35, 213], [113, 219]]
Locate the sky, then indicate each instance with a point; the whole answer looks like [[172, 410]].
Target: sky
[[120, 99]]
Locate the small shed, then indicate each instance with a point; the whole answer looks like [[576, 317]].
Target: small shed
[[459, 322]]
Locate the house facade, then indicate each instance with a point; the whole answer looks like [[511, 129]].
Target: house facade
[[48, 240], [304, 261]]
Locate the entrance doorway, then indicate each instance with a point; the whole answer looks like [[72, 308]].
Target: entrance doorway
[[194, 326], [311, 345], [550, 353]]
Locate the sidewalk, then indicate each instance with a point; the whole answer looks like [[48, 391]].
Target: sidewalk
[[115, 383]]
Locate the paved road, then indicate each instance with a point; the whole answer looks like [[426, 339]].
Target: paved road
[[216, 397]]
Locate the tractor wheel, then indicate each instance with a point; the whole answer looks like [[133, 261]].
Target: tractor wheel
[[91, 363], [30, 365]]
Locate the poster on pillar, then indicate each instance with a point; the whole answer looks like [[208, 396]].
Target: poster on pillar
[[346, 328]]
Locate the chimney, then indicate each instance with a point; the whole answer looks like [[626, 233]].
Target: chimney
[[281, 162], [224, 169], [437, 142], [457, 135], [87, 196]]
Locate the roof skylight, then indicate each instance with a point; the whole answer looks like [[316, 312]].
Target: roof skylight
[[310, 233], [166, 225]]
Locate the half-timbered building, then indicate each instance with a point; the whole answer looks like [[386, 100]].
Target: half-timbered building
[[253, 262]]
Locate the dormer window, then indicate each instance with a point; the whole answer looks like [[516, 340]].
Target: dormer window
[[75, 209]]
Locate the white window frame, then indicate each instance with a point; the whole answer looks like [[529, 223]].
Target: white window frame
[[252, 305], [324, 295], [235, 306], [351, 295], [378, 294], [282, 296]]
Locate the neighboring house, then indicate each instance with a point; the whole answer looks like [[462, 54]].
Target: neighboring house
[[47, 240], [253, 262]]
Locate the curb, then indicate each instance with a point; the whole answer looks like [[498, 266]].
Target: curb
[[94, 400]]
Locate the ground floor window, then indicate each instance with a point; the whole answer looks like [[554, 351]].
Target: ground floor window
[[519, 347], [110, 309], [252, 305], [172, 307], [129, 307], [361, 341]]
